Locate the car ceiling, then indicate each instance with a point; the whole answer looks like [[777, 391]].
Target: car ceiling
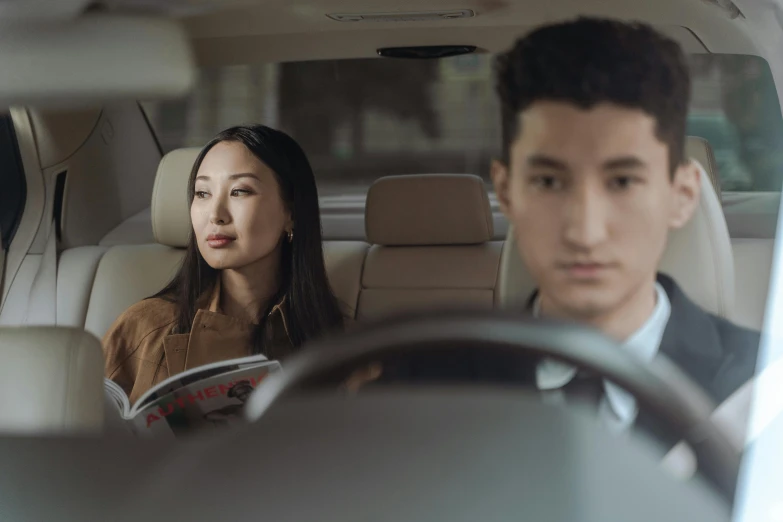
[[282, 30]]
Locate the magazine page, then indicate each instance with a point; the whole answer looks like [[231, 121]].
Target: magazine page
[[210, 402], [193, 375], [116, 410], [116, 395]]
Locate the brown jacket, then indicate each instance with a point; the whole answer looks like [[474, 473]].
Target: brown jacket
[[141, 351]]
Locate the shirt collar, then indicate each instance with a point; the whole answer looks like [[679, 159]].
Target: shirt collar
[[643, 344]]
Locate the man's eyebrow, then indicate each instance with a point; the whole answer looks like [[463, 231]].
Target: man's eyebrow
[[624, 162], [540, 160]]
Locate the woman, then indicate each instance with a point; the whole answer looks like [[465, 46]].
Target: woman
[[253, 279]]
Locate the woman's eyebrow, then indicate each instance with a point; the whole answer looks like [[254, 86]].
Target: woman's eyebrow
[[244, 175], [204, 177]]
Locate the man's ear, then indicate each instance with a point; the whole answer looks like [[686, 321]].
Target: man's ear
[[686, 194], [500, 179]]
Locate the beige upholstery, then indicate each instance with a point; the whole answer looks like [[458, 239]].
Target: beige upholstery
[[51, 381], [170, 209], [753, 267], [60, 133], [109, 155], [401, 279], [698, 257], [428, 209], [136, 230], [344, 264], [126, 275], [700, 150], [447, 261], [75, 276]]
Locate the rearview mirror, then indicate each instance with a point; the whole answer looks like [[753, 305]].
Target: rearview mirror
[[93, 58]]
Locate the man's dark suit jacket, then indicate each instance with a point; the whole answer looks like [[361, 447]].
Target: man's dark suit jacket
[[717, 355]]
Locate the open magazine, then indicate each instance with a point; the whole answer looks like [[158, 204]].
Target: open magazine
[[206, 397]]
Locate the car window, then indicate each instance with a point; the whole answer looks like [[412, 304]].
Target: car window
[[365, 118], [13, 193], [735, 108], [356, 119]]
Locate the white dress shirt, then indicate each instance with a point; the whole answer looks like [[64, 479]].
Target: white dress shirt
[[617, 407]]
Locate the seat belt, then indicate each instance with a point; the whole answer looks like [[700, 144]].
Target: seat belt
[[42, 305]]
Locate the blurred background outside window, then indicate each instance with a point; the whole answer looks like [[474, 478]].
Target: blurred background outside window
[[362, 119]]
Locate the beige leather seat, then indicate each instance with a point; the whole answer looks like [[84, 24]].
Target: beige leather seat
[[698, 257], [752, 255], [51, 381], [127, 274], [432, 245]]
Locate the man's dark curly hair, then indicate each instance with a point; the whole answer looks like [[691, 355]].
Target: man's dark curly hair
[[590, 61]]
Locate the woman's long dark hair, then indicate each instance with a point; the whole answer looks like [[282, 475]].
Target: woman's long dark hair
[[310, 308]]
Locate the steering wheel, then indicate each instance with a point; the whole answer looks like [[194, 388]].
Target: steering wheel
[[659, 386]]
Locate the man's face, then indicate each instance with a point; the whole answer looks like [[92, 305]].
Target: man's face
[[591, 199]]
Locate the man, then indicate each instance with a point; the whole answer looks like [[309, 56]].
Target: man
[[593, 177]]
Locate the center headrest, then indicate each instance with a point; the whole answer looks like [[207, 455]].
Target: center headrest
[[170, 205], [698, 256], [700, 150], [428, 209]]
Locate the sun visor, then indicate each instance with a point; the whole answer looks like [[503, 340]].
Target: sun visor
[[93, 58]]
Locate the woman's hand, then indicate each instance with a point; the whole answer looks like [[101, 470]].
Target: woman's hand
[[362, 376]]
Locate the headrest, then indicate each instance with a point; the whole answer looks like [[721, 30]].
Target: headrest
[[698, 257], [428, 209], [170, 208], [51, 381], [700, 150]]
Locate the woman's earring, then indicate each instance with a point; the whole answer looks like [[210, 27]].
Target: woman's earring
[[290, 236]]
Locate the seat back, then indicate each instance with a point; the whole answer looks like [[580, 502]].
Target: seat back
[[51, 381], [126, 274], [431, 245], [752, 255], [698, 256]]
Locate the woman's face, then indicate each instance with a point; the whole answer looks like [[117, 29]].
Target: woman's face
[[238, 213]]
